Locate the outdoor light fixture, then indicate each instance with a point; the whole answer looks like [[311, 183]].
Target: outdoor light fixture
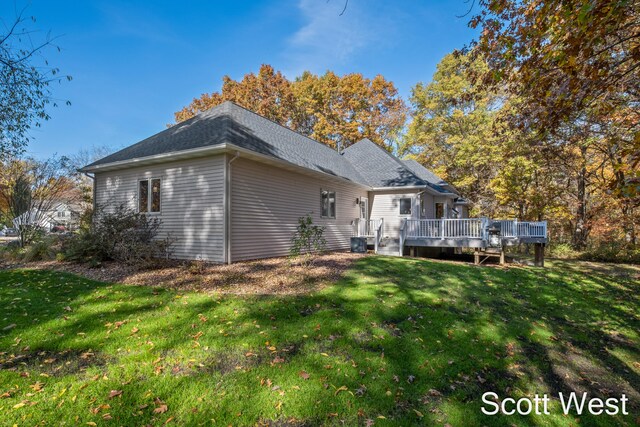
[[357, 201]]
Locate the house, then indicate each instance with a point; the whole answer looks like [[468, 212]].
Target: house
[[230, 185], [58, 214], [66, 214]]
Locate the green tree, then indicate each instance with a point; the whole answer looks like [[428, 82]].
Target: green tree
[[451, 130], [25, 78], [456, 130]]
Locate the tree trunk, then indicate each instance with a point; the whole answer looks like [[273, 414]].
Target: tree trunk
[[628, 224], [581, 230]]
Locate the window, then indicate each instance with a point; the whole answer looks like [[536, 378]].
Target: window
[[439, 210], [155, 195], [149, 198], [405, 206], [327, 204]]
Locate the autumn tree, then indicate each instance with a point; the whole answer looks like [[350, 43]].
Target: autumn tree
[[25, 79], [574, 65], [30, 189], [339, 111], [267, 93], [335, 110]]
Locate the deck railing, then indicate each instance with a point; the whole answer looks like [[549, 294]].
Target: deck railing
[[365, 227], [515, 228], [471, 228], [370, 228]]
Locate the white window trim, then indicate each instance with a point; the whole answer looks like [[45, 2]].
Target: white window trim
[[149, 196], [335, 204], [411, 201]]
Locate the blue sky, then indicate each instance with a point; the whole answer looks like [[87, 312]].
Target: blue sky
[[134, 63]]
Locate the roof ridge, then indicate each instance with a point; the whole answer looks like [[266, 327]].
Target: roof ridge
[[231, 103]]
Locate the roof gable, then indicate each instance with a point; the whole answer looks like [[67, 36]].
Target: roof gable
[[379, 167]]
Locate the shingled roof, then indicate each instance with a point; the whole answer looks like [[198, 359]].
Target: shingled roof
[[379, 167], [428, 176], [229, 125]]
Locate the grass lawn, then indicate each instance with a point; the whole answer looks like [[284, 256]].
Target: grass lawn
[[397, 341]]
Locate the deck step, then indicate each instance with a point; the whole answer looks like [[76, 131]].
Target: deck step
[[389, 247]]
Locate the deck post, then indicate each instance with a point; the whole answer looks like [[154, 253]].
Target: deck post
[[476, 257], [501, 256], [375, 240], [539, 255]]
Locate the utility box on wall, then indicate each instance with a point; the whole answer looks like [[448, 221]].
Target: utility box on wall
[[359, 245]]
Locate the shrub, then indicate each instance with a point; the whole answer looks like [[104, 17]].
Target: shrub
[[562, 250], [612, 252], [40, 250], [308, 240], [121, 235], [196, 267]]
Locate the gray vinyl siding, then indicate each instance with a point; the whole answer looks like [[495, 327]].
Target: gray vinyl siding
[[192, 202], [386, 204], [266, 202]]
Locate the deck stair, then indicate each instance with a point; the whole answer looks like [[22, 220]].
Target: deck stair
[[389, 246]]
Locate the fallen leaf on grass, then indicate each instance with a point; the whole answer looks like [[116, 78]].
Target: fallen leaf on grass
[[11, 326], [115, 393], [37, 386], [134, 330], [339, 389], [161, 409], [304, 375]]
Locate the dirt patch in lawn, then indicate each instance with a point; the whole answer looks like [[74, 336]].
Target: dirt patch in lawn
[[273, 276]]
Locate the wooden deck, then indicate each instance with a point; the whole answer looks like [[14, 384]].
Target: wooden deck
[[480, 233]]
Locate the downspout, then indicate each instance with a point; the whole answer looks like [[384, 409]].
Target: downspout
[[227, 208]]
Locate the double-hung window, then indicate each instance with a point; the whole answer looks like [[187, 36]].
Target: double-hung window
[[327, 204], [149, 195]]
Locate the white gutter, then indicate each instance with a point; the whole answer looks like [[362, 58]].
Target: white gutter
[[414, 187], [157, 158]]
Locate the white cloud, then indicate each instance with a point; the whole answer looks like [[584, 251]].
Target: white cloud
[[327, 39]]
